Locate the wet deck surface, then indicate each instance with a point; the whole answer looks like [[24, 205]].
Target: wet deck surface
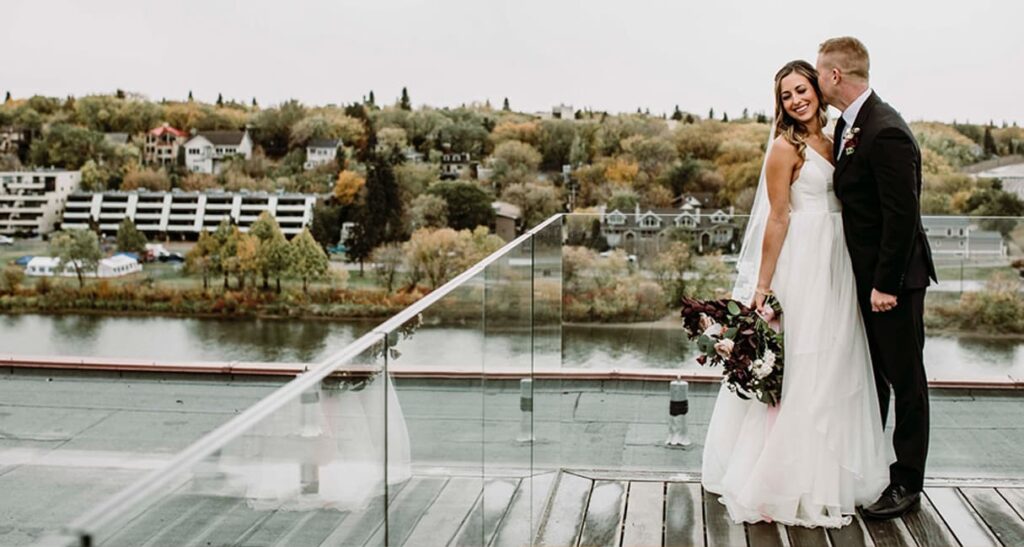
[[564, 509], [69, 441]]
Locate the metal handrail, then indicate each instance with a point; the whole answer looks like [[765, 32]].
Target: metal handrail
[[128, 499]]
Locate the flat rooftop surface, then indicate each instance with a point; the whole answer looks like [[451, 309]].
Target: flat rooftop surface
[[70, 440]]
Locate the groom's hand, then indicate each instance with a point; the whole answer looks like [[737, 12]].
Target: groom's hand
[[881, 301]]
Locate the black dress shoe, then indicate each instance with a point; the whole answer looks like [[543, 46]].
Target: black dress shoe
[[895, 501]]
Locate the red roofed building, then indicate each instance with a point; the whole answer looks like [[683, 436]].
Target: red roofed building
[[162, 145]]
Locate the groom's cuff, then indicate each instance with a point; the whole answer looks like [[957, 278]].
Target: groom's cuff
[[888, 286]]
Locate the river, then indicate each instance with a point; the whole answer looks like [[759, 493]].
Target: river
[[291, 340]]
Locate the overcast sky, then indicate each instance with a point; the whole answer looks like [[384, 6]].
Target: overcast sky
[[935, 60]]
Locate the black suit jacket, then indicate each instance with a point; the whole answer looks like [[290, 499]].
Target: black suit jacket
[[879, 185]]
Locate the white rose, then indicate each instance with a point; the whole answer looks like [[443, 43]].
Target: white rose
[[714, 330], [769, 358], [724, 348]]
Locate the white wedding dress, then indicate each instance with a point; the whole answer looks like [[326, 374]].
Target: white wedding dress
[[822, 451]]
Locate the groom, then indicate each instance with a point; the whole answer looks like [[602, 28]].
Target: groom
[[878, 180]]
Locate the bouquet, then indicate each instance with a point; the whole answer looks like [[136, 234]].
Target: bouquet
[[747, 344]]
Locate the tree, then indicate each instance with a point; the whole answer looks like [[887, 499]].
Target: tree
[[504, 104], [348, 187], [147, 179], [555, 143], [670, 268], [428, 211], [190, 95], [7, 98], [129, 238], [469, 205], [746, 114], [372, 102], [378, 218], [202, 257], [13, 276], [79, 248], [68, 146], [308, 260], [677, 114], [220, 100], [514, 163], [405, 103], [225, 249], [439, 255], [536, 201], [990, 143], [326, 225], [273, 252], [725, 116], [272, 127], [387, 259], [711, 114]]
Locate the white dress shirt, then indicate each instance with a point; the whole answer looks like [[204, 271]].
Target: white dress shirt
[[850, 114]]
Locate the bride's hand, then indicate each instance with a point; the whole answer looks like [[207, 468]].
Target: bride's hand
[[758, 303]]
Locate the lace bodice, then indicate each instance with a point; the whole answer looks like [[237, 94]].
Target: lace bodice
[[812, 191]]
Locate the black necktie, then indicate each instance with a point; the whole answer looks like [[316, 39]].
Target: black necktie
[[837, 138]]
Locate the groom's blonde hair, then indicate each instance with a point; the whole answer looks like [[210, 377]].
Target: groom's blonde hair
[[847, 54]]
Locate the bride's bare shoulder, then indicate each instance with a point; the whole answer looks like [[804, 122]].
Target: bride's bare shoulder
[[783, 151]]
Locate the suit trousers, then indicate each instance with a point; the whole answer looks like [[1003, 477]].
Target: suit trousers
[[896, 342]]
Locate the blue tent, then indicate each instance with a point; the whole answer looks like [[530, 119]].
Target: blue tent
[[23, 261]]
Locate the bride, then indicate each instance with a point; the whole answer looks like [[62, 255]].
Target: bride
[[810, 460]]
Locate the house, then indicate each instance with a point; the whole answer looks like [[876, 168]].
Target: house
[[207, 151], [162, 145], [117, 139], [958, 237], [709, 229], [115, 266], [31, 201], [12, 140], [186, 214], [412, 155], [1012, 177], [321, 152], [563, 112], [456, 165], [507, 218]]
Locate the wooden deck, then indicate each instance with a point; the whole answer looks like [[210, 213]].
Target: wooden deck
[[566, 508]]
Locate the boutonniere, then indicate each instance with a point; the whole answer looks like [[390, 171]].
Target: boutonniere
[[850, 140]]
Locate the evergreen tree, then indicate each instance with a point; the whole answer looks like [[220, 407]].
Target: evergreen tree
[[689, 119], [405, 103], [119, 93], [220, 99], [725, 116], [202, 258], [254, 105], [7, 98], [371, 101], [378, 220], [677, 114], [746, 114], [989, 143], [273, 253], [190, 95], [129, 238], [711, 114], [761, 118], [504, 105]]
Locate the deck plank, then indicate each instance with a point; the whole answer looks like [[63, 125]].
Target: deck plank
[[645, 505], [161, 515], [490, 507], [1015, 497], [315, 528], [563, 517], [445, 516], [684, 515], [721, 530], [806, 537], [854, 534], [520, 525], [927, 526], [234, 525], [603, 522], [407, 508], [194, 523], [889, 533], [963, 521], [765, 533], [360, 526], [1000, 517]]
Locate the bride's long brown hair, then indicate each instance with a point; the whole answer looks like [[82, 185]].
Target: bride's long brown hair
[[785, 125]]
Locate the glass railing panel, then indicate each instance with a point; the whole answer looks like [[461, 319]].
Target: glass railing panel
[[303, 466], [435, 359]]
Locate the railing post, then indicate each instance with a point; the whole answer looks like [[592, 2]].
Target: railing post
[[309, 471], [678, 408], [526, 411]]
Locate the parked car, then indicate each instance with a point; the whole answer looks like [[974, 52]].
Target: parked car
[[171, 257], [337, 249], [6, 240]]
